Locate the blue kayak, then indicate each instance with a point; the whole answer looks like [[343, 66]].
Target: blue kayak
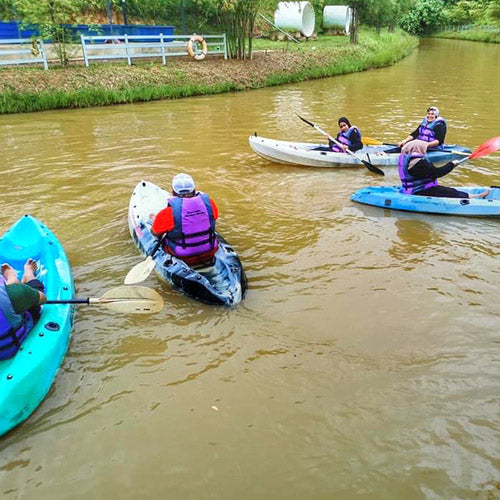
[[391, 197], [26, 378], [223, 283]]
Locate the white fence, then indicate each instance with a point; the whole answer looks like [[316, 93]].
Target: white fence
[[140, 46], [12, 48]]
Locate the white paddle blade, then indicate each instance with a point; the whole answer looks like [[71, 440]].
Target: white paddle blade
[[135, 306], [140, 271], [132, 299]]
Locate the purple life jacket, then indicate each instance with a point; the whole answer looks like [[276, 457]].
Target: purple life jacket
[[194, 226], [426, 130], [13, 327], [409, 183], [344, 138]]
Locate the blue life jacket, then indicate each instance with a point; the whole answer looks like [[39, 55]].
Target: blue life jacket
[[345, 139], [194, 226], [426, 130], [409, 183], [13, 327]]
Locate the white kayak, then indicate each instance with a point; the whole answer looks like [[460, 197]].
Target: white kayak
[[308, 154]]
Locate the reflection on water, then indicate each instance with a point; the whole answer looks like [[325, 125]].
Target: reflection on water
[[362, 363]]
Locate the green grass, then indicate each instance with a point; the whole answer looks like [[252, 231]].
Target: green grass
[[474, 35]]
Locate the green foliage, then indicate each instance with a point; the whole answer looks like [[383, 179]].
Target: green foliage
[[425, 17], [7, 12], [49, 15], [237, 20]]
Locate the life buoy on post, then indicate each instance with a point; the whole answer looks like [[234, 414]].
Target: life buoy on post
[[198, 54]]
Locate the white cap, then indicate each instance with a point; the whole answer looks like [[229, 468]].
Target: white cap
[[182, 184]]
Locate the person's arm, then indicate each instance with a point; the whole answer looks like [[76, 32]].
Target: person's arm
[[410, 137], [163, 222], [440, 133], [24, 297], [356, 143], [424, 169]]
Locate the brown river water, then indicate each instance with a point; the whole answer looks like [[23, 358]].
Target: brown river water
[[363, 362]]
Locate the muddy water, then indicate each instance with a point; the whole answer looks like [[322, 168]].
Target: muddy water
[[364, 361]]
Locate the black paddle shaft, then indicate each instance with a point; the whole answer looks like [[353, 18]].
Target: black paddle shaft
[[69, 301]]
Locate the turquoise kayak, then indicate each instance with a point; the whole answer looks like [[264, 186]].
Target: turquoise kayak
[[391, 197], [26, 378]]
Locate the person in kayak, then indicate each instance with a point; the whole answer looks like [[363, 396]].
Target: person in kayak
[[349, 136], [20, 303], [432, 129], [189, 223], [419, 176]]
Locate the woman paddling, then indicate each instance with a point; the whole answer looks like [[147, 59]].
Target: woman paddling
[[419, 176], [348, 136]]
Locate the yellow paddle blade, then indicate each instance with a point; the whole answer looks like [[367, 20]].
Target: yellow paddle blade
[[140, 271], [371, 142]]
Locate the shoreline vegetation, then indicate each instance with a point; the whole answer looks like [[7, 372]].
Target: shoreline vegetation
[[473, 35], [28, 89]]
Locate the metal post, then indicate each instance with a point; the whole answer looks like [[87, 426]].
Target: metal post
[[82, 38], [127, 50], [225, 46], [163, 58]]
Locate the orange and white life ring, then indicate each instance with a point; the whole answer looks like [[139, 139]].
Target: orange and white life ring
[[198, 54]]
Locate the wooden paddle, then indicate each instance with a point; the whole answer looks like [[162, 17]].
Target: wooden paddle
[[142, 270], [367, 164], [123, 299]]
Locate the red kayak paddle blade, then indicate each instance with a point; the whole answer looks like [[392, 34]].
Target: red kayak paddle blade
[[486, 148]]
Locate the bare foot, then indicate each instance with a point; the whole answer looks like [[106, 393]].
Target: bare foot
[[9, 274], [30, 267], [484, 194]]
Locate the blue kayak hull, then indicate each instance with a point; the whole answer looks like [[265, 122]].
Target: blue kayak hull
[[224, 283], [392, 198], [26, 378]]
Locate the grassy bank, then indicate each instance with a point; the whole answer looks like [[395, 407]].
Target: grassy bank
[[475, 35], [33, 89]]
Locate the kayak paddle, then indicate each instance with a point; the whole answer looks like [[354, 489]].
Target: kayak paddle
[[488, 147], [367, 164], [142, 270], [124, 299]]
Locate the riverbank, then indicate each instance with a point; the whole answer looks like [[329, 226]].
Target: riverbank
[[474, 35], [34, 89]]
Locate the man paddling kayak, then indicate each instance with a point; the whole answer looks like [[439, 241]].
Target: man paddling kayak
[[189, 223]]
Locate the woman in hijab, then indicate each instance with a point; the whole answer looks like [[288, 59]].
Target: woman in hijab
[[348, 136], [419, 176], [432, 129]]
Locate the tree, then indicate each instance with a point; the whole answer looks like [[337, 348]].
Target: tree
[[49, 16], [425, 16], [237, 19]]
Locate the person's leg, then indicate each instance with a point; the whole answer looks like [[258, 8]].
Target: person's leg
[[484, 194], [442, 192], [30, 267], [9, 274], [36, 310]]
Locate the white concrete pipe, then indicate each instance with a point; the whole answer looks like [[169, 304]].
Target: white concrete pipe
[[295, 16], [337, 17]]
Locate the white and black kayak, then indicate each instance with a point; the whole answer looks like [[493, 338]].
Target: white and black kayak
[[223, 283], [391, 197], [308, 154]]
